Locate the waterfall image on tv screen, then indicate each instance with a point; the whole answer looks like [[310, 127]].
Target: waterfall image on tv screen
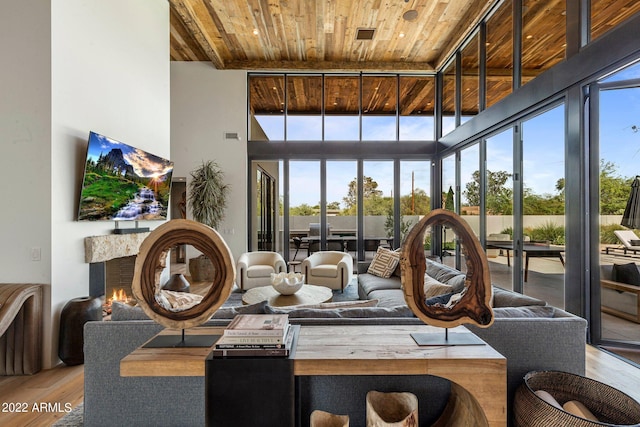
[[123, 183]]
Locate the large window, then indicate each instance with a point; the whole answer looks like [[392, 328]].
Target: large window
[[543, 207], [498, 206], [470, 58], [304, 108], [341, 107], [449, 98], [619, 137], [499, 46], [417, 105], [541, 49], [604, 16]]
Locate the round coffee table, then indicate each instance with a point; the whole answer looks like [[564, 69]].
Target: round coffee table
[[308, 294]]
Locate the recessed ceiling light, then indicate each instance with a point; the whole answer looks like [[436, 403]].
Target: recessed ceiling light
[[410, 15], [401, 35], [529, 37], [255, 31]]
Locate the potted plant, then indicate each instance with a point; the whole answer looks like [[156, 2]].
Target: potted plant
[[208, 201]]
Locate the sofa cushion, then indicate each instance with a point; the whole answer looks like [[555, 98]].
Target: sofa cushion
[[123, 312], [260, 271], [325, 270], [523, 312], [352, 312], [388, 297], [327, 305], [626, 273], [505, 298], [369, 282], [384, 262]]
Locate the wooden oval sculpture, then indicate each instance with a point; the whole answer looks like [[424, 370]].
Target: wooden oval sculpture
[[151, 261], [475, 304]]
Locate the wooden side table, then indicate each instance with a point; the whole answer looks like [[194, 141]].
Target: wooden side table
[[293, 265], [478, 373], [308, 294]]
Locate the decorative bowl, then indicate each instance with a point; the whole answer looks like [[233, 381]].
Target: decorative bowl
[[287, 283]]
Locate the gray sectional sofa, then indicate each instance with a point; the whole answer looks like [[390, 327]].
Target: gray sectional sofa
[[531, 335]]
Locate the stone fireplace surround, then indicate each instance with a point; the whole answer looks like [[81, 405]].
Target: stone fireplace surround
[[98, 250]]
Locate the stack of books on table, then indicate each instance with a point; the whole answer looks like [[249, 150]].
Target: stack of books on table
[[253, 335]]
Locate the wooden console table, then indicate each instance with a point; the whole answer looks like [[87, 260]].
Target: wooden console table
[[478, 373]]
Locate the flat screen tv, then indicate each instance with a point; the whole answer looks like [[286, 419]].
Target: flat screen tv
[[123, 183]]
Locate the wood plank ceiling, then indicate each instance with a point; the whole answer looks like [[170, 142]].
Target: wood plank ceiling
[[320, 34], [410, 37]]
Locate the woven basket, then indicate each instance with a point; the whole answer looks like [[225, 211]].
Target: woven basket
[[611, 406]]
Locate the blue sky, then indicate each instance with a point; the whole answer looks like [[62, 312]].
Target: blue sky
[[543, 145]]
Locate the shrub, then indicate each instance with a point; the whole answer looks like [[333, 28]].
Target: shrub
[[549, 232], [606, 233]]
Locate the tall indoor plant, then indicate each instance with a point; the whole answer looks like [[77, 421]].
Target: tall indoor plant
[[208, 200]]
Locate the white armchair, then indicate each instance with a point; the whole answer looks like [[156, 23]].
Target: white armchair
[[332, 269], [254, 268]]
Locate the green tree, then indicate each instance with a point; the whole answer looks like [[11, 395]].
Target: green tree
[[374, 202], [614, 189], [419, 204], [448, 200], [302, 210], [333, 205], [498, 195]]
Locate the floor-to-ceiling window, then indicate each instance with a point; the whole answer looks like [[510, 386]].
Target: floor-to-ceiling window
[[378, 204], [498, 206], [619, 148], [342, 204], [543, 205], [304, 202]]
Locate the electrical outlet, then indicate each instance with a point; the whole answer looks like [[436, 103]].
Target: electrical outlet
[[36, 254]]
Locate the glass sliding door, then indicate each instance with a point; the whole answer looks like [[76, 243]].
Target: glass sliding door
[[415, 197], [266, 210], [304, 206], [377, 204], [498, 207], [543, 179], [469, 194], [619, 145], [342, 206]]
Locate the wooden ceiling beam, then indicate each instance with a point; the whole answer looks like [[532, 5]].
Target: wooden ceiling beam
[[350, 66], [193, 24]]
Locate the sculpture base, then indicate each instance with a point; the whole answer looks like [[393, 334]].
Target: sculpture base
[[427, 339], [177, 341]]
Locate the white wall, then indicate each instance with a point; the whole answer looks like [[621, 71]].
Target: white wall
[[25, 135], [205, 103], [110, 74]]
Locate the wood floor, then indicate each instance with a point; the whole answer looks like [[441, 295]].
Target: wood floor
[[54, 388], [40, 399]]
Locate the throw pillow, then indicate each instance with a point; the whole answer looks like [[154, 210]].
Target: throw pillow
[[433, 288], [384, 262], [626, 273], [440, 299]]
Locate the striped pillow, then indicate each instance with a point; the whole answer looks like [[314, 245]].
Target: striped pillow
[[384, 263]]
